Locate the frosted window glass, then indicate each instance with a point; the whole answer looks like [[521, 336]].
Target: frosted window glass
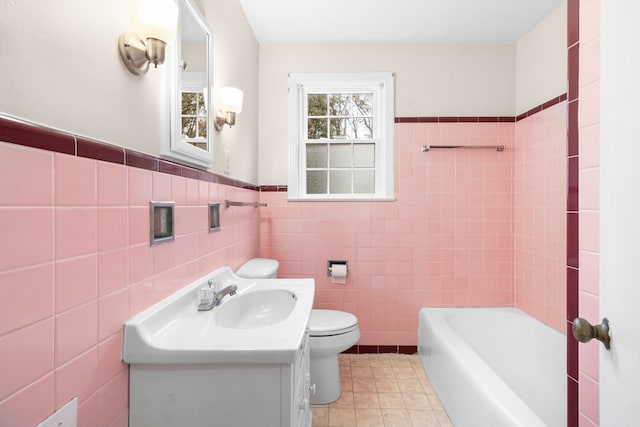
[[317, 155], [364, 155], [317, 182], [340, 155], [340, 182], [364, 182]]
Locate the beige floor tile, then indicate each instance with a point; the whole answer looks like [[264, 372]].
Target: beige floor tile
[[346, 384], [343, 359], [423, 418], [366, 417], [410, 385], [345, 370], [361, 372], [390, 390], [383, 372], [387, 385], [366, 400], [400, 362], [443, 418], [363, 384], [342, 417], [344, 401], [320, 417], [395, 418], [416, 401], [379, 361], [435, 402], [405, 373], [359, 360], [391, 400]]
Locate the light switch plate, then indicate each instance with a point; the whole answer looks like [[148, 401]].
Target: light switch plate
[[67, 416]]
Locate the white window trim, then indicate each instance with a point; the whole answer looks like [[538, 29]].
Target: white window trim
[[383, 85]]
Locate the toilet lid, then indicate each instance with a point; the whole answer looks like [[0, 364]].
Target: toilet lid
[[259, 268], [331, 322]]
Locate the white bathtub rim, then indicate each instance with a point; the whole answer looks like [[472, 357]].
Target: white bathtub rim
[[482, 376]]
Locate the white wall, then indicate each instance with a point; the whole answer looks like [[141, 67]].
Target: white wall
[[442, 80], [541, 61], [60, 66]]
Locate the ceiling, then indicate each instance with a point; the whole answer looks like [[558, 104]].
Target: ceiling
[[394, 21]]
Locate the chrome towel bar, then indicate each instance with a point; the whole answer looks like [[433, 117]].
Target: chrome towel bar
[[425, 148], [253, 204]]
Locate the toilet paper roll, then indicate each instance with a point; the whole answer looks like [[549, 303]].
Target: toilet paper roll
[[339, 273]]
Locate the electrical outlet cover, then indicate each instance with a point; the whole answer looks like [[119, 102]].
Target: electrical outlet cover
[[67, 416]]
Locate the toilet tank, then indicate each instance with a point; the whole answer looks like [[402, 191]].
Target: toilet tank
[[259, 268]]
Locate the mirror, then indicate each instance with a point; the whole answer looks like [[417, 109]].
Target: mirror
[[188, 138]]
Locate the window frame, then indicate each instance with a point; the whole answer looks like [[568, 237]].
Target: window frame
[[382, 85]]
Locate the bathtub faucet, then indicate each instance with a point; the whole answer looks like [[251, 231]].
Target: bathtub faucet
[[212, 295]]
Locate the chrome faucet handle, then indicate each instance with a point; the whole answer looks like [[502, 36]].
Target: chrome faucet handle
[[213, 284]]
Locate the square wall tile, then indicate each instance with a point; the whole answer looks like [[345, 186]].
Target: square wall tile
[[76, 282], [75, 181], [31, 405], [113, 271], [113, 227], [76, 232], [27, 237], [76, 331], [33, 169], [29, 348], [78, 378], [25, 297], [112, 184]]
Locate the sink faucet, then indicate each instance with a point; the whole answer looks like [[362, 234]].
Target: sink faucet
[[216, 295]]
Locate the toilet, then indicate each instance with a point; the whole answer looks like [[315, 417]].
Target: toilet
[[330, 332]]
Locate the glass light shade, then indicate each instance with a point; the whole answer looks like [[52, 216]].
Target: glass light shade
[[157, 19], [231, 100]]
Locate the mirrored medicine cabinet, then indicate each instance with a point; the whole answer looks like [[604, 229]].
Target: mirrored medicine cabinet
[[186, 122]]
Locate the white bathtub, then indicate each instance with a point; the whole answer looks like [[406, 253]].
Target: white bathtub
[[494, 366]]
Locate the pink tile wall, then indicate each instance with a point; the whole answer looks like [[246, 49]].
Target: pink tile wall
[[446, 241], [589, 199], [540, 183], [75, 263]]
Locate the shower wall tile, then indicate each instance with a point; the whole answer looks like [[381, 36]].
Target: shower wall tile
[[447, 240]]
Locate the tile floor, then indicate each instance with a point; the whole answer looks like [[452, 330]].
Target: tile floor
[[382, 390]]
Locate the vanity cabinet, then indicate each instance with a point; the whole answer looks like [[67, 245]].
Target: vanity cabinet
[[242, 394]]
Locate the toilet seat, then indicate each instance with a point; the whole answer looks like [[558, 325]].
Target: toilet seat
[[324, 323]]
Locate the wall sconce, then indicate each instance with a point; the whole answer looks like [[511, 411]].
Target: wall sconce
[[156, 22], [230, 105]]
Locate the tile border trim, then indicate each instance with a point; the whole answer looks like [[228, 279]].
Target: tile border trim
[[484, 119], [28, 134], [382, 349], [22, 132]]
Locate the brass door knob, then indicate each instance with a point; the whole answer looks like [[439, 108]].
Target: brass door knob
[[584, 331]]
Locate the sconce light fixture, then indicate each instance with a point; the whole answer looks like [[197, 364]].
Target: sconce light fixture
[[156, 22], [230, 105]]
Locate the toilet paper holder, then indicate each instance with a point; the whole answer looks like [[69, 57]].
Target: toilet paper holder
[[332, 262]]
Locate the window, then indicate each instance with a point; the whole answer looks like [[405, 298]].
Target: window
[[194, 111], [341, 136]]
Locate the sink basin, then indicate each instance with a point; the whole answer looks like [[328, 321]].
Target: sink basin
[[265, 322], [256, 309]]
